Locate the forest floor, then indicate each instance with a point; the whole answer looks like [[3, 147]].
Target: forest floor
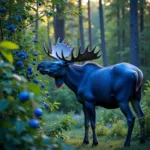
[[105, 143]]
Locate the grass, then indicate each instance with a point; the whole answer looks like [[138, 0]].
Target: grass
[[105, 143]]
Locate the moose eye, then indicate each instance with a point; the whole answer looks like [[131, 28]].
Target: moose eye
[[60, 65]]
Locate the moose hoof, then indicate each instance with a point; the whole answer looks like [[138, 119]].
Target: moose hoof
[[85, 142], [94, 144]]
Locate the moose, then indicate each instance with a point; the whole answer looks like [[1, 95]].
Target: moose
[[109, 87]]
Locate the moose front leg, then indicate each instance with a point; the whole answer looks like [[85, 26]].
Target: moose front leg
[[86, 125], [92, 116]]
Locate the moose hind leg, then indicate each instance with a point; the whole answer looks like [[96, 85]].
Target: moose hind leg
[[137, 108], [130, 120], [86, 124], [91, 113]]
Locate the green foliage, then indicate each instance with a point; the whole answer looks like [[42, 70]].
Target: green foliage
[[118, 129], [102, 130], [67, 100], [146, 107], [56, 129], [15, 132]]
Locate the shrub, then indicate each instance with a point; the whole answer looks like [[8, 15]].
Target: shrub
[[146, 107], [18, 128], [102, 130], [118, 129]]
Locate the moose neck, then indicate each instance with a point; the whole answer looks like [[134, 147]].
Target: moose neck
[[73, 77]]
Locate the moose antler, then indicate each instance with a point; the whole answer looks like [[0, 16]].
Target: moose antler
[[61, 51], [53, 51]]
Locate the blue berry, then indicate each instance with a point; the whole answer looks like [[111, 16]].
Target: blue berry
[[36, 74], [35, 81], [38, 112], [10, 27], [42, 86], [24, 96], [2, 10], [40, 3], [34, 123], [29, 68], [46, 106], [47, 94], [34, 63], [35, 41], [13, 30], [19, 28], [33, 31], [19, 63], [13, 69], [22, 66], [35, 54], [19, 18]]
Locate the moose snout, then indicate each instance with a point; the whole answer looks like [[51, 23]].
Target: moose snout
[[40, 66]]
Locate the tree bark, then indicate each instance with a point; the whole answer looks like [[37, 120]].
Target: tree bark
[[59, 25], [89, 22], [81, 28], [103, 44], [37, 21], [142, 15], [118, 28], [134, 36], [123, 30], [48, 27]]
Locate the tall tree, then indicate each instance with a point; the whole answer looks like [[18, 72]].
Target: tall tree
[[37, 22], [142, 3], [48, 26], [123, 28], [103, 44], [89, 22], [134, 39], [118, 29], [81, 27], [59, 24]]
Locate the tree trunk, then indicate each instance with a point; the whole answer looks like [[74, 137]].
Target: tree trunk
[[118, 29], [89, 22], [142, 15], [37, 21], [48, 27], [134, 39], [123, 30], [81, 28], [59, 25], [103, 44]]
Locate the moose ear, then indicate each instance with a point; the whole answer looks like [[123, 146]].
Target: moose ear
[[59, 82]]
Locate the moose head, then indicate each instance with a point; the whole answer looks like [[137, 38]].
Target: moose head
[[60, 53]]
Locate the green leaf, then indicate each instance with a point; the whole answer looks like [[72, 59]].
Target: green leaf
[[3, 104], [34, 88], [9, 45], [27, 138], [20, 125], [7, 55]]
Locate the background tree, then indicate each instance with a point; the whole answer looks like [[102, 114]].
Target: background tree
[[134, 36], [37, 21], [89, 22], [81, 30], [102, 30], [118, 27], [59, 23]]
